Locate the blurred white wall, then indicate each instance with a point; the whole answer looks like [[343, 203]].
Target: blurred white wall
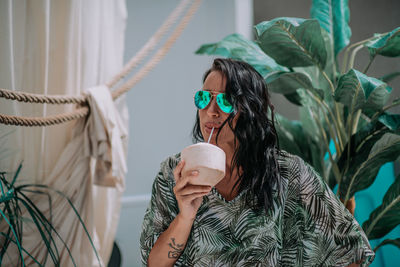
[[161, 106]]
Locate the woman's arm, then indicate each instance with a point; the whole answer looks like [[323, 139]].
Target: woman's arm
[[171, 243]]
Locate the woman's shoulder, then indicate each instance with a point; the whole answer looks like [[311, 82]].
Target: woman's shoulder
[[300, 174], [171, 161], [290, 165], [167, 167]]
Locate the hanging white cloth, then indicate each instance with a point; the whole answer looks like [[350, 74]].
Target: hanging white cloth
[[104, 135], [65, 47]]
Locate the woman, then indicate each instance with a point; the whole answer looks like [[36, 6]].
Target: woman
[[270, 209]]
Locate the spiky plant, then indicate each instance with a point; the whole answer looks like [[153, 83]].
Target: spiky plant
[[16, 198]]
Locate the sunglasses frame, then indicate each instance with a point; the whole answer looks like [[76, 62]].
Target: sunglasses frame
[[211, 98]]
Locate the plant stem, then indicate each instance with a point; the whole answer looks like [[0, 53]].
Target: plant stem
[[334, 134], [352, 129], [334, 72], [353, 56], [346, 54], [367, 138], [378, 113], [369, 64], [350, 120], [327, 79], [348, 150], [357, 118], [339, 123], [334, 165], [338, 130], [354, 175]]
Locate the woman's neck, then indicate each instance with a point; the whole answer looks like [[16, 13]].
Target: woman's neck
[[229, 152], [225, 186]]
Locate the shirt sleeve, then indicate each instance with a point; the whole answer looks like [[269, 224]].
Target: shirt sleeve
[[161, 210], [330, 234]]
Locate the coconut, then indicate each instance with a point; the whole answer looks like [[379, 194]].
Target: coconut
[[208, 160]]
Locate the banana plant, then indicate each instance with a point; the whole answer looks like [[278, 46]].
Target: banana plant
[[298, 58]]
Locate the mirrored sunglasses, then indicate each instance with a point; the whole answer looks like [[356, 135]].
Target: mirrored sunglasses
[[203, 98]]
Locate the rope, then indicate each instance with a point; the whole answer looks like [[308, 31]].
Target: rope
[[150, 44], [44, 121], [82, 112], [39, 98]]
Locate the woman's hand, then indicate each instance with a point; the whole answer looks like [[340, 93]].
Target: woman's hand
[[189, 196]]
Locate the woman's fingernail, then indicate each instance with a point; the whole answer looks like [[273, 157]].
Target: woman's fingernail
[[195, 172]]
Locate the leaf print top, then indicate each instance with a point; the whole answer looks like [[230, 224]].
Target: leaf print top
[[307, 225]]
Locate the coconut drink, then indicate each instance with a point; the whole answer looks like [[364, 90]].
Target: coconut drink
[[208, 160]]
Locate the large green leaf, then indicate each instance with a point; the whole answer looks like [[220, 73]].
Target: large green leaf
[[237, 47], [363, 140], [361, 144], [314, 72], [392, 121], [293, 98], [288, 82], [288, 134], [356, 90], [292, 42], [387, 216], [333, 16], [359, 177], [387, 45], [292, 138], [394, 242]]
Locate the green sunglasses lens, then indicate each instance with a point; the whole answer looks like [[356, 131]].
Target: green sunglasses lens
[[223, 103], [202, 99]]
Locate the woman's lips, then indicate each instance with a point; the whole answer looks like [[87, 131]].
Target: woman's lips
[[212, 124], [208, 129]]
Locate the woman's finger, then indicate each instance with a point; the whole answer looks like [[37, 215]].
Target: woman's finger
[[177, 171], [192, 189], [184, 180]]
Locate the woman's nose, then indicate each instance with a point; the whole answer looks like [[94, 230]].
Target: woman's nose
[[212, 109]]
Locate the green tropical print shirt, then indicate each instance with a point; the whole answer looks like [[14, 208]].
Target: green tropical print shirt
[[307, 226]]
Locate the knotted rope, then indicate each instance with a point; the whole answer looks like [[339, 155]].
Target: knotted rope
[[82, 100], [44, 121]]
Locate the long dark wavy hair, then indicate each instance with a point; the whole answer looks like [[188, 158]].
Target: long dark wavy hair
[[256, 142]]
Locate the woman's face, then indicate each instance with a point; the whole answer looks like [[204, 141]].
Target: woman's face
[[212, 116]]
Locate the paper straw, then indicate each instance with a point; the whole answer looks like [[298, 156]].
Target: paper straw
[[209, 138]]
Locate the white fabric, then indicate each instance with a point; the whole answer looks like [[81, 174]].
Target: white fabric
[[64, 47], [104, 137]]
